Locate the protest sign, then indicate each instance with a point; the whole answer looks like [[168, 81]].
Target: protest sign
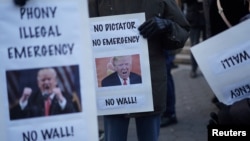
[[116, 38], [42, 53], [224, 60]]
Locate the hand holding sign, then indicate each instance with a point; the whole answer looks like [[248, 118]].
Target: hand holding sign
[[154, 26]]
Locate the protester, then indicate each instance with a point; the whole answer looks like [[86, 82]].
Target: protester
[[220, 16], [195, 16], [165, 28], [233, 15], [169, 115], [50, 100], [122, 74]]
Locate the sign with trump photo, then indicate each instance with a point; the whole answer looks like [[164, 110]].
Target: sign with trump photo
[[123, 83], [46, 91]]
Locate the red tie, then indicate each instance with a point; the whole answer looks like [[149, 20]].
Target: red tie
[[47, 106], [125, 81]]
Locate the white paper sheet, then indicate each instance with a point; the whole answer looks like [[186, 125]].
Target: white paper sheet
[[119, 36], [41, 34], [225, 62]]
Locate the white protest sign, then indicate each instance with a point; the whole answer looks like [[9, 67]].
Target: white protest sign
[[225, 62], [114, 38], [45, 50]]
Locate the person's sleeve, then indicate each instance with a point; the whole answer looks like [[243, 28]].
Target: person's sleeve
[[240, 111], [93, 8], [180, 26]]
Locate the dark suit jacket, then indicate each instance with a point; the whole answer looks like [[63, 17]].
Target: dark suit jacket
[[113, 79], [35, 107]]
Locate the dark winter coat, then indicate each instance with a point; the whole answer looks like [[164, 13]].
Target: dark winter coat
[[234, 10], [195, 13], [156, 45]]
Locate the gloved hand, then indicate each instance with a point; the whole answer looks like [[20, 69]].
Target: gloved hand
[[20, 2], [223, 117], [155, 26], [245, 17], [213, 119], [236, 114]]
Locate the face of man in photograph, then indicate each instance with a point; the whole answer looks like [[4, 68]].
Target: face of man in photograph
[[123, 66], [47, 80]]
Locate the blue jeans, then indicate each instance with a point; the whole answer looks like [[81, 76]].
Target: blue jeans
[[195, 34], [116, 127], [170, 107]]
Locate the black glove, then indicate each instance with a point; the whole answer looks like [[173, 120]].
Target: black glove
[[245, 17], [235, 114], [155, 26], [213, 119], [223, 117], [240, 112], [20, 2]]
